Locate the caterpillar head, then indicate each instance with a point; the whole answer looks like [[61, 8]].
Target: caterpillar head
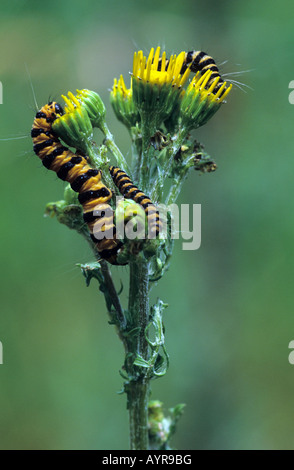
[[46, 116]]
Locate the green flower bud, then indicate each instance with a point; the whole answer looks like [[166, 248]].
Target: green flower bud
[[75, 128], [199, 103], [70, 215], [123, 105], [91, 101]]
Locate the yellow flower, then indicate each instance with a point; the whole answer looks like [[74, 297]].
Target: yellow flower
[[202, 99], [119, 88], [71, 102], [157, 88], [74, 126], [91, 102], [199, 86], [157, 95], [149, 71]]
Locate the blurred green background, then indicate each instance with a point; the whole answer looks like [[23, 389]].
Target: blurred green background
[[230, 317]]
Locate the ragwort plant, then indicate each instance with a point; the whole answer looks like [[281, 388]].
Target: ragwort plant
[[160, 109]]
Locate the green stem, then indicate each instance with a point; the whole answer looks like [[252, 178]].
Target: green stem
[[138, 397], [138, 387], [136, 139], [164, 172], [113, 294], [176, 188], [148, 129], [111, 145]]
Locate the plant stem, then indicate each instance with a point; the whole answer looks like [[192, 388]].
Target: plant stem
[[138, 397], [148, 129], [175, 189], [111, 145], [138, 387], [113, 294]]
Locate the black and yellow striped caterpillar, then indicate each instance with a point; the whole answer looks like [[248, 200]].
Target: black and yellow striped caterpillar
[[93, 194], [130, 191], [199, 61]]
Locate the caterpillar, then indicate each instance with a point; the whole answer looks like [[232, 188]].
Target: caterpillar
[[86, 181], [129, 190], [199, 61]]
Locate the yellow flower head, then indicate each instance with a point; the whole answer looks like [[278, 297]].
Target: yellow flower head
[[74, 126], [119, 88], [71, 103], [157, 85], [202, 99], [199, 85], [152, 70], [89, 101], [157, 95]]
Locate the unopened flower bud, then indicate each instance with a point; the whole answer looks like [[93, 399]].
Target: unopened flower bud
[[74, 127]]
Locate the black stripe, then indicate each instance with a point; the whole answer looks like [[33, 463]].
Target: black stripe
[[112, 169], [76, 159], [50, 157], [105, 254], [41, 115], [93, 215], [58, 109], [189, 57], [138, 199], [146, 204], [198, 57], [48, 160], [213, 69], [35, 132], [80, 180], [122, 175], [64, 169], [89, 217], [208, 61], [38, 147], [214, 75], [141, 198], [127, 186], [98, 193]]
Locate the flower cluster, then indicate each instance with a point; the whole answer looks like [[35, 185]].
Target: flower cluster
[[168, 97], [157, 95]]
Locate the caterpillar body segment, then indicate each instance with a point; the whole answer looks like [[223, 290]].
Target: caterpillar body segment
[[199, 61], [127, 188]]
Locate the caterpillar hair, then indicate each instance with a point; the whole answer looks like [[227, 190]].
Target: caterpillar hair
[[199, 62], [127, 188], [93, 194]]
